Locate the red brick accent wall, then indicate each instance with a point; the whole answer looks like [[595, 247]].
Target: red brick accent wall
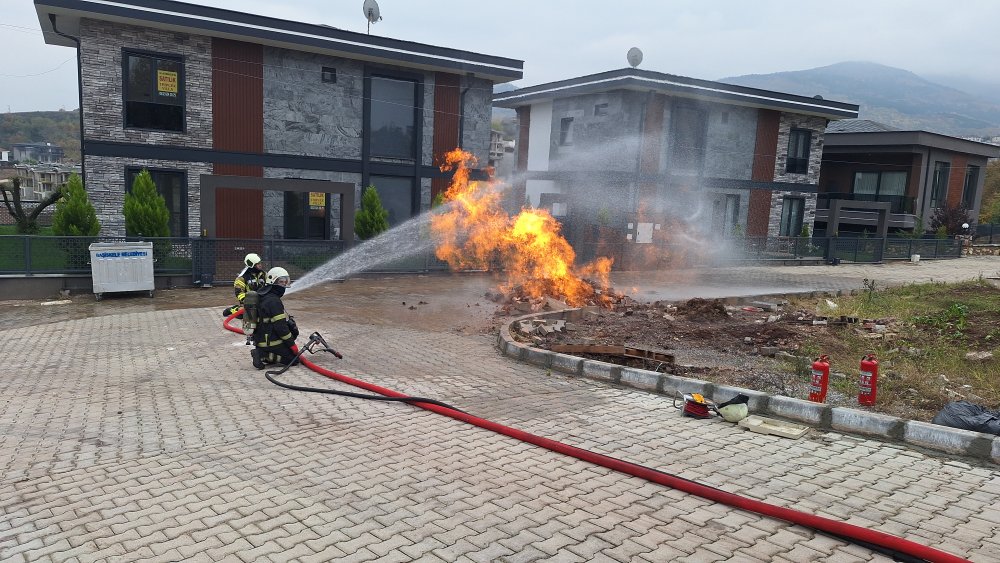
[[956, 180], [765, 152]]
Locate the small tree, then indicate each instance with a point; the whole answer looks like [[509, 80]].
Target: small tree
[[75, 215], [372, 218], [949, 219], [145, 211], [804, 233], [26, 221]]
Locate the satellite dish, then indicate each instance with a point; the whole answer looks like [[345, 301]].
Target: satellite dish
[[370, 9], [634, 57]]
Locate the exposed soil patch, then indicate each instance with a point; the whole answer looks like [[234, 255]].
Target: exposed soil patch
[[769, 346]]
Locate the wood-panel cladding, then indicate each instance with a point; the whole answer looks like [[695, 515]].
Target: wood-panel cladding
[[447, 110], [238, 125], [764, 156], [956, 180]]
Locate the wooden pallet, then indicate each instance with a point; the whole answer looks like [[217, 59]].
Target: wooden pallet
[[625, 351]]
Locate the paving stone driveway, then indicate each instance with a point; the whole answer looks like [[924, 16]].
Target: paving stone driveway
[[147, 436]]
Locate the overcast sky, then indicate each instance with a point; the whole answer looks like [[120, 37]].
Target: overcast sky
[[560, 39]]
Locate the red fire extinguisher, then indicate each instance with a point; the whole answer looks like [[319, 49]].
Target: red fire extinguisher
[[820, 379], [869, 380]]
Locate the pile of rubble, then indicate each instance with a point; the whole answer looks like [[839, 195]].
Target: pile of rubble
[[544, 296]]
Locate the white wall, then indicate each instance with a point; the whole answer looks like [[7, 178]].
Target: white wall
[[539, 137], [534, 188]]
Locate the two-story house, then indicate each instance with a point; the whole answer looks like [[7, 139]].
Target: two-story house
[[873, 171], [656, 154], [256, 127]]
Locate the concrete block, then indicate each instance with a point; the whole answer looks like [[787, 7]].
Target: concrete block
[[947, 439], [567, 364], [601, 370], [758, 399], [514, 350], [640, 378], [816, 414], [673, 384], [538, 357], [863, 422]]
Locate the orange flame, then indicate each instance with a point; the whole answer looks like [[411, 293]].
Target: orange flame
[[476, 232]]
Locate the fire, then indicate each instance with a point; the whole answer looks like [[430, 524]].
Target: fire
[[474, 231]]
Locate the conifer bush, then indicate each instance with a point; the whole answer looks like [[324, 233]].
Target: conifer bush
[[372, 218]]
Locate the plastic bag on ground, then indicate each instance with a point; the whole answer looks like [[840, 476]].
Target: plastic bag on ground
[[967, 416]]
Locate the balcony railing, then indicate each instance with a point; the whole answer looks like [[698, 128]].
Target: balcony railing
[[898, 203]]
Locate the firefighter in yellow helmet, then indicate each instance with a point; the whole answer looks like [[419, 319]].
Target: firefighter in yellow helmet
[[276, 331], [250, 279]]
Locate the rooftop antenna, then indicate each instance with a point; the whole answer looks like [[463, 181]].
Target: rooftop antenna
[[634, 57], [370, 9]]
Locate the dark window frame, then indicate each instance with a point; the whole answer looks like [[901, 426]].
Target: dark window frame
[[939, 183], [181, 87], [153, 171], [601, 109], [304, 219], [328, 75], [969, 189], [797, 163], [878, 183], [786, 229], [697, 161], [418, 103], [566, 132]]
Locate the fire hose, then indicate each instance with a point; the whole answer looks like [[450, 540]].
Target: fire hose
[[881, 542]]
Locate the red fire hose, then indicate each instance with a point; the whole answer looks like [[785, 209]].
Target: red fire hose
[[890, 544]]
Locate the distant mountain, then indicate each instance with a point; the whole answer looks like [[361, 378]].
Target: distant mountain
[[57, 127], [890, 95]]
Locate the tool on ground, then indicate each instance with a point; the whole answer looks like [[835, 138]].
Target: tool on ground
[[695, 405], [820, 381], [868, 384]]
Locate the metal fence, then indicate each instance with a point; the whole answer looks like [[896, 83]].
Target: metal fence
[[987, 234], [210, 260]]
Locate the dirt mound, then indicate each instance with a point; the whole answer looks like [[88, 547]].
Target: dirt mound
[[703, 309]]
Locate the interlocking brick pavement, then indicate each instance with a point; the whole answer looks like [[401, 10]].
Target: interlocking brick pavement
[[147, 436]]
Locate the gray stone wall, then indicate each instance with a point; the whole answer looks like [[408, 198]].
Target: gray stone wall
[[730, 142], [274, 201], [808, 214], [101, 43], [304, 115], [106, 189], [478, 119], [600, 142], [817, 125]]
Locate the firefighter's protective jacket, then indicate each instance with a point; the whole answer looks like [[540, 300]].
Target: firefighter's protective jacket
[[275, 329], [249, 279]]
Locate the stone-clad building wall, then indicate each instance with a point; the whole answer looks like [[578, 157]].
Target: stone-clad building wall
[[106, 189], [478, 119], [102, 42], [817, 125]]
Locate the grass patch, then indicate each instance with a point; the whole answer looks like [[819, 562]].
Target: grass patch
[[931, 328]]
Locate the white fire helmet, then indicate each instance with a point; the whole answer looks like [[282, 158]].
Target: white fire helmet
[[278, 276], [251, 260]]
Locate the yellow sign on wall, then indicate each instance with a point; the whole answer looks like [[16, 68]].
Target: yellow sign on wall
[[166, 81], [317, 199]]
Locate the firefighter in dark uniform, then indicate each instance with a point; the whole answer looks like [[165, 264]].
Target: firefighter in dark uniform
[[250, 279], [276, 331]]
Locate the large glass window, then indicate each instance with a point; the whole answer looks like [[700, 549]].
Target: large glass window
[[792, 209], [393, 118], [172, 185], [971, 182], [307, 215], [154, 92], [798, 151], [939, 185], [396, 193], [879, 184], [689, 127]]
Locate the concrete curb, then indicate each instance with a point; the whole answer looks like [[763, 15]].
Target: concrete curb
[[818, 415]]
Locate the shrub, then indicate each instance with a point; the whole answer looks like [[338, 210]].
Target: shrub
[[75, 215], [145, 211], [372, 218], [949, 219]]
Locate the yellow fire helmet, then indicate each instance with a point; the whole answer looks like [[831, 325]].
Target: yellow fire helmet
[[278, 276], [251, 260]]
